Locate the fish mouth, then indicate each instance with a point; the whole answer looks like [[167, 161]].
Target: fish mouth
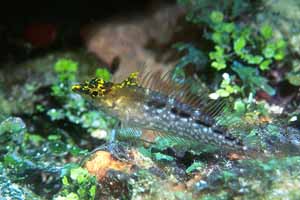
[[77, 88]]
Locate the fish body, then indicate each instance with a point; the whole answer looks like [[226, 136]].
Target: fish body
[[163, 112]]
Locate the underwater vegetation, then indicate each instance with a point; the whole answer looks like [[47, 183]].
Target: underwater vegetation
[[221, 124]]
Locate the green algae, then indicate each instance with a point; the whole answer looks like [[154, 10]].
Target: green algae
[[25, 157], [77, 184]]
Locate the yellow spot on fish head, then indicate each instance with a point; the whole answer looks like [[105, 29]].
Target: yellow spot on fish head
[[132, 80], [93, 88], [107, 93]]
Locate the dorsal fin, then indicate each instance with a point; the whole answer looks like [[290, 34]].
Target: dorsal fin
[[163, 83]]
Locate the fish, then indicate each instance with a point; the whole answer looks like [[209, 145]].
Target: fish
[[152, 101]]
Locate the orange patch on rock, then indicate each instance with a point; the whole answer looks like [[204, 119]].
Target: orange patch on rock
[[265, 119], [124, 40], [103, 161], [235, 156]]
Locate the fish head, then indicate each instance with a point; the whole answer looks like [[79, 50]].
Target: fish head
[[107, 95]]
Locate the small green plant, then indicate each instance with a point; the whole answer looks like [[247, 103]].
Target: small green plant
[[293, 76], [194, 56], [199, 10], [103, 73], [195, 166], [78, 184], [154, 151], [227, 87], [66, 70], [242, 44], [242, 52], [73, 107]]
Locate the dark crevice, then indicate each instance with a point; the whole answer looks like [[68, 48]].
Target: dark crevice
[[203, 123], [184, 114], [156, 104]]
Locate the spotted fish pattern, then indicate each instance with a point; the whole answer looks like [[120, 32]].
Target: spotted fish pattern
[[144, 102]]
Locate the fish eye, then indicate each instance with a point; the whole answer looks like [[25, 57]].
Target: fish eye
[[94, 93]]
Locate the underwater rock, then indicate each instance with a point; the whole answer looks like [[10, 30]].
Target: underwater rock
[[20, 81], [115, 184], [122, 41], [9, 190], [276, 140], [102, 161], [12, 131]]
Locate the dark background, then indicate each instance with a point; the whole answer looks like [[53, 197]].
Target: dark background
[[55, 10], [22, 22]]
